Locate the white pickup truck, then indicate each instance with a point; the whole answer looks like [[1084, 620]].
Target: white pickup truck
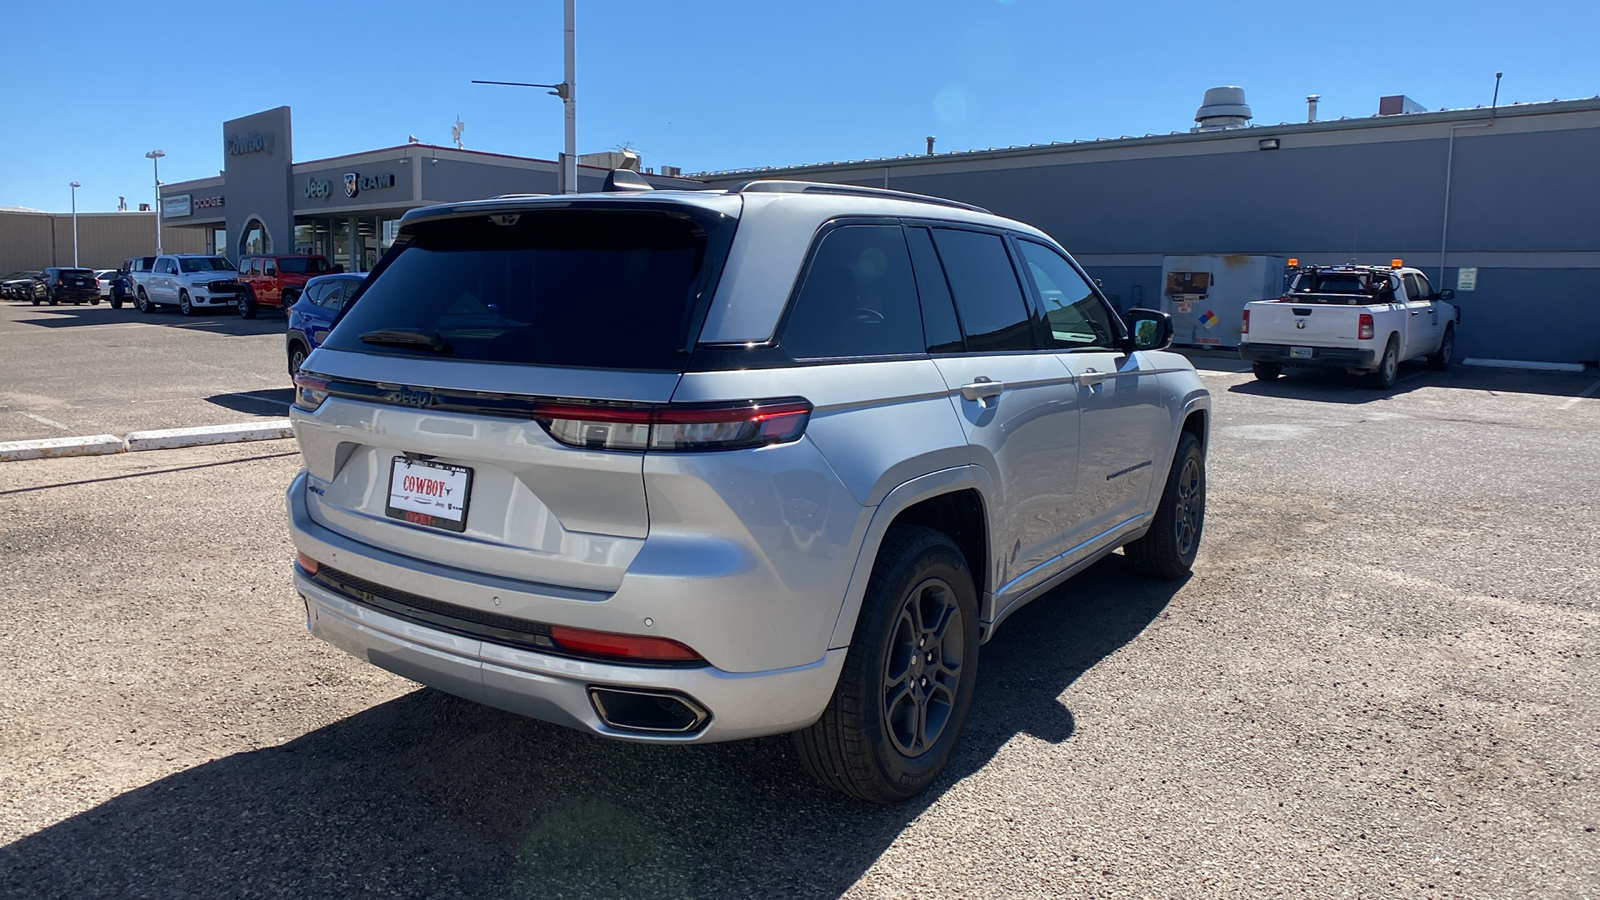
[[1363, 319]]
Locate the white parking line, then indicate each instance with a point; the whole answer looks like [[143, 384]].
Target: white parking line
[[51, 422], [1587, 392]]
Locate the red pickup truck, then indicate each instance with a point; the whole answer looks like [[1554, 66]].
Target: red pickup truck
[[277, 280]]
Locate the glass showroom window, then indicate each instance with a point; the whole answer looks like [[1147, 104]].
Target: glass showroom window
[[255, 239]]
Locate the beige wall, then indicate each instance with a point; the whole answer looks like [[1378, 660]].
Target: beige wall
[[36, 240]]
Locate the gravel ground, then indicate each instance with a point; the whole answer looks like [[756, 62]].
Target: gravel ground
[[79, 370], [1379, 682]]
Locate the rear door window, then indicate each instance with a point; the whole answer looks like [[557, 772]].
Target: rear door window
[[858, 297], [614, 289], [994, 313], [939, 320]]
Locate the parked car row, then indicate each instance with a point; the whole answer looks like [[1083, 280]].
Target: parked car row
[[55, 285], [189, 281]]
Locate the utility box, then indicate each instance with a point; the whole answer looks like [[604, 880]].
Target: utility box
[[1205, 295]]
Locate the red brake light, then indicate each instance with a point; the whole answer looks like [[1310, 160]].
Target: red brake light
[[621, 646], [1245, 327], [1364, 328], [680, 428], [309, 391]]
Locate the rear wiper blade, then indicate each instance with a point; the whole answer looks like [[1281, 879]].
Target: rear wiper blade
[[408, 337]]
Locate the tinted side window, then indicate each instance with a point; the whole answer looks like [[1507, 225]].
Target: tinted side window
[[994, 313], [939, 321], [325, 294], [858, 298], [1076, 316], [1425, 286]]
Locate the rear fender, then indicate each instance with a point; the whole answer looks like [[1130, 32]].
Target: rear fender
[[895, 502]]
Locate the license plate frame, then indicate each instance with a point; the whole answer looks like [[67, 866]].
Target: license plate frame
[[420, 509], [1302, 353]]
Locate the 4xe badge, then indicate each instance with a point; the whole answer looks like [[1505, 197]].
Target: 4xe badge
[[352, 184]]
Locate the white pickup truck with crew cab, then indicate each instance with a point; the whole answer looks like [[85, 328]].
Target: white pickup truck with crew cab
[[1363, 319]]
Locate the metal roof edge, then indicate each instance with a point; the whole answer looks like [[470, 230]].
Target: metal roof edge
[[1551, 107]]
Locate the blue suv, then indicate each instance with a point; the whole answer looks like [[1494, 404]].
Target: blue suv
[[312, 316]]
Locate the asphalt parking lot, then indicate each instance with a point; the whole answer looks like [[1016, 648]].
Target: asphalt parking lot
[[1378, 682], [81, 370]]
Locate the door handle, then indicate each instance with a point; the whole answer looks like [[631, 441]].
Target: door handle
[[982, 388], [1091, 377], [1416, 312]]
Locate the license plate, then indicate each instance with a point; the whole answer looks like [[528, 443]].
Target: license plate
[[429, 493], [1301, 353]]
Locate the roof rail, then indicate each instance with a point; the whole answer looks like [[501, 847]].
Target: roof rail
[[759, 186]]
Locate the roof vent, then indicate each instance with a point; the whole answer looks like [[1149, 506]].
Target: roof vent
[[1223, 108], [1399, 104]]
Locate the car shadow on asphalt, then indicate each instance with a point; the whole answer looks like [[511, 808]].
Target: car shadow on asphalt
[[1334, 386], [225, 323], [430, 795], [272, 402]]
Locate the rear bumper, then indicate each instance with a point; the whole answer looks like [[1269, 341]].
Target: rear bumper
[[76, 295], [1334, 357], [544, 686]]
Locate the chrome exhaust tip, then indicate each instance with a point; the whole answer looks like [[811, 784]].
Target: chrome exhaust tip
[[649, 712]]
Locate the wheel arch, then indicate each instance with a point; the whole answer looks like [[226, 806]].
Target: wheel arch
[[953, 501]]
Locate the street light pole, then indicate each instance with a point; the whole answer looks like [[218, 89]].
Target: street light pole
[[155, 160], [75, 187], [567, 168], [569, 99]]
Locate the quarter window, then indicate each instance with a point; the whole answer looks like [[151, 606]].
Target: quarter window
[[1077, 317], [858, 298], [994, 313]]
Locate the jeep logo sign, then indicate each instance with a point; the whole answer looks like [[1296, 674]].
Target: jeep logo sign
[[253, 142], [316, 189], [355, 183]]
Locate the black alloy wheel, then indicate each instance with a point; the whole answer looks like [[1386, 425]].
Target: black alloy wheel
[[909, 675], [1169, 548], [297, 358], [247, 304]]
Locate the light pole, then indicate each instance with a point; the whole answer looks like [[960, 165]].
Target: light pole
[[567, 172], [75, 187], [155, 160]]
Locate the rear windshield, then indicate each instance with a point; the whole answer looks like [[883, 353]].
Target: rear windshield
[[87, 273], [303, 265], [1339, 283], [614, 289], [204, 264]]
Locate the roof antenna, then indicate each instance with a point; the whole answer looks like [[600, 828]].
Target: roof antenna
[[1495, 103]]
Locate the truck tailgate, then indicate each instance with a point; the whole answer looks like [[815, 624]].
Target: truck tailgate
[[1309, 325]]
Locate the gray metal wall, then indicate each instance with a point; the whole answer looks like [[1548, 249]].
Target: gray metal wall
[[1523, 210], [37, 240], [338, 200]]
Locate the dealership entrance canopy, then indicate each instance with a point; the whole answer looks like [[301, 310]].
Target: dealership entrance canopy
[[346, 208]]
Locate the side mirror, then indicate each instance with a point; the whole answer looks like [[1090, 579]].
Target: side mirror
[[1447, 295], [1151, 329]]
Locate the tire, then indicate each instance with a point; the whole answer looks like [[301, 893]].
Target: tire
[[116, 301], [1266, 371], [1168, 549], [54, 300], [878, 749], [36, 301], [1441, 360], [1389, 366], [297, 357], [247, 304], [142, 303], [184, 306], [95, 300]]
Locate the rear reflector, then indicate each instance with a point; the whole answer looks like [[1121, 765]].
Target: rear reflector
[[680, 428], [305, 562], [620, 646]]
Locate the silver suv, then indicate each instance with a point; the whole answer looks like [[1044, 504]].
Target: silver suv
[[691, 466]]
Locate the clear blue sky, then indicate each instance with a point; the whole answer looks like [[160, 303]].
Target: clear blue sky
[[86, 88]]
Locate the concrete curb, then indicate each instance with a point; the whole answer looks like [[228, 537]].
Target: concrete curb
[[93, 445], [1524, 364], [163, 439], [174, 438]]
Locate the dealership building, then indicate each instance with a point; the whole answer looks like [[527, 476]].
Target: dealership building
[[346, 208], [1502, 206]]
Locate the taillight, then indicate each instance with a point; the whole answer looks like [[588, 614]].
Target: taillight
[[1244, 328], [620, 646], [1364, 328], [675, 428], [309, 391]]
